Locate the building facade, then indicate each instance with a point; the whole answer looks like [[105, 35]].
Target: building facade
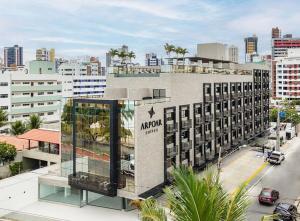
[[42, 54], [216, 51], [276, 33], [233, 54], [151, 59], [13, 56], [281, 45], [251, 48], [287, 80], [125, 145], [24, 94]]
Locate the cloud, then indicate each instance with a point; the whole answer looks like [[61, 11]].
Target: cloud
[[63, 40]]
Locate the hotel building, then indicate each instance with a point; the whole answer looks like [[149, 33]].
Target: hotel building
[[125, 145]]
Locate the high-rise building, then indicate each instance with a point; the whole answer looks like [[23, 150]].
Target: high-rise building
[[152, 60], [276, 32], [250, 48], [111, 61], [287, 79], [42, 54], [13, 56], [233, 54], [287, 36], [281, 45], [217, 51]]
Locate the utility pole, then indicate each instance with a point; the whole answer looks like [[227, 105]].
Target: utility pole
[[278, 131]]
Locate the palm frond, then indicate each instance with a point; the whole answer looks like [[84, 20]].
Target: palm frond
[[151, 211]]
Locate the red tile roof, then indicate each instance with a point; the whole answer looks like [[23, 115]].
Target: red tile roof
[[20, 144], [44, 135]]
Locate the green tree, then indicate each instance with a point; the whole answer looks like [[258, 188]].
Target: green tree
[[18, 127], [3, 118], [291, 114], [131, 55], [194, 198], [34, 122], [169, 49], [113, 53], [273, 114], [123, 55], [8, 152], [16, 168]]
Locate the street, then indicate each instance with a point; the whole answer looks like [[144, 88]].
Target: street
[[285, 178]]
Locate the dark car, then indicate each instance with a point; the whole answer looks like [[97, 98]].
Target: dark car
[[268, 196], [286, 212]]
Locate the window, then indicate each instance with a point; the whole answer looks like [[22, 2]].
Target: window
[[26, 82], [4, 107], [25, 105], [50, 83], [26, 93], [3, 95], [50, 92], [41, 114], [50, 103], [50, 113], [158, 93], [40, 93], [40, 104], [26, 115], [3, 84], [40, 83]]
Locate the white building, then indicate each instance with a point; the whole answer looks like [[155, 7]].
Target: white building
[[81, 79], [23, 94], [233, 54], [151, 59], [287, 75]]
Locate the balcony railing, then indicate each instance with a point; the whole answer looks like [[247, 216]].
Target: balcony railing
[[198, 121], [186, 124], [225, 112], [218, 97], [93, 183], [172, 128], [208, 98], [208, 136], [186, 145], [209, 117], [172, 151], [225, 96], [199, 140]]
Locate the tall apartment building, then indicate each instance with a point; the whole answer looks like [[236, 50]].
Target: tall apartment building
[[82, 79], [23, 94], [151, 59], [233, 54], [276, 33], [13, 56], [251, 48], [42, 54], [152, 122], [287, 75]]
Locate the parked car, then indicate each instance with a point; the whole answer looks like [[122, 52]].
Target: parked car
[[276, 157], [286, 212], [268, 196]]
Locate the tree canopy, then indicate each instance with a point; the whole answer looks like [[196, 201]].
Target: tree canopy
[[8, 152]]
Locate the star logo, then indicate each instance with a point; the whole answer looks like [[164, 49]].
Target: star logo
[[151, 112]]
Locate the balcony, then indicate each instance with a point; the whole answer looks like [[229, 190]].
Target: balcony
[[208, 98], [240, 94], [18, 88], [30, 110], [199, 140], [225, 96], [218, 97], [218, 133], [198, 121], [209, 117], [225, 112], [93, 183], [208, 136], [239, 109], [172, 128], [25, 99], [172, 151], [233, 110], [218, 114], [186, 145], [186, 124]]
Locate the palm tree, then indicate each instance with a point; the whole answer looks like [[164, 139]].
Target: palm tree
[[195, 198], [131, 55], [183, 51], [113, 53], [169, 48], [3, 118], [34, 122], [18, 127]]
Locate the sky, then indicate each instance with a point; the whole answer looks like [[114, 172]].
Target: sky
[[91, 27]]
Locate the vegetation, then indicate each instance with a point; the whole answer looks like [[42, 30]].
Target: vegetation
[[18, 127], [34, 122], [16, 168], [8, 152], [177, 50], [195, 198], [291, 114], [3, 118]]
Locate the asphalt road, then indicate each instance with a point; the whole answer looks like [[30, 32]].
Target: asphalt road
[[285, 178]]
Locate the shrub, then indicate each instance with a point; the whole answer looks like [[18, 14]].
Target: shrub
[[8, 152], [16, 168]]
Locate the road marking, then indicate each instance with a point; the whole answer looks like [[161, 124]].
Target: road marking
[[253, 175]]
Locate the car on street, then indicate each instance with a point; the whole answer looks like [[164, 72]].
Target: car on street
[[276, 157], [268, 196], [285, 212]]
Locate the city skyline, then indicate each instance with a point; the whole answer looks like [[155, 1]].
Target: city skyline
[[75, 28]]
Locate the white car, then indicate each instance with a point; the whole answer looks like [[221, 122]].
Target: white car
[[276, 157]]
